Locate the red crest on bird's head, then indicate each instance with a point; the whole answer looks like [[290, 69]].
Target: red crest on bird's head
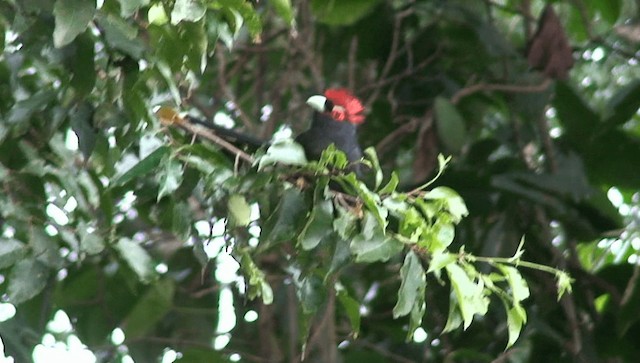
[[347, 107]]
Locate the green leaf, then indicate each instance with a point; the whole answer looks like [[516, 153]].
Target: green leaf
[[258, 285], [285, 152], [239, 211], [345, 224], [470, 295], [82, 65], [440, 260], [145, 166], [156, 14], [128, 7], [150, 308], [247, 12], [392, 184], [518, 285], [610, 9], [137, 258], [623, 105], [90, 242], [72, 18], [121, 35], [284, 9], [342, 12], [313, 293], [81, 124], [412, 287], [451, 126], [11, 251], [371, 244], [319, 225], [455, 204], [564, 283], [578, 119], [189, 10], [45, 248], [169, 176], [516, 318], [287, 220], [351, 308], [28, 277], [371, 155], [454, 318]]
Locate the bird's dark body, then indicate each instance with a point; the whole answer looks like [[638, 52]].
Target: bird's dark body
[[325, 131]]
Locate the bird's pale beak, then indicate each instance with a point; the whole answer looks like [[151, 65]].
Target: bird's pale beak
[[317, 103]]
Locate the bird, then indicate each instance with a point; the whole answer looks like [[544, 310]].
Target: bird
[[337, 113]]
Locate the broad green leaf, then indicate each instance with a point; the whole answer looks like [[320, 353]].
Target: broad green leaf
[[451, 126], [455, 204], [440, 260], [284, 152], [27, 278], [11, 251], [22, 111], [137, 258], [345, 223], [319, 225], [623, 105], [470, 295], [128, 7], [610, 9], [287, 220], [412, 287], [519, 288], [81, 123], [371, 244], [121, 35], [454, 318], [578, 119], [341, 256], [352, 309], [45, 248], [82, 65], [90, 242], [239, 211], [189, 10], [342, 12], [157, 15], [248, 14], [516, 318], [169, 176], [144, 167], [150, 308], [72, 18], [312, 293]]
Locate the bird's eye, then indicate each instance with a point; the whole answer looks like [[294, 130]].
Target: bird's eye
[[328, 105]]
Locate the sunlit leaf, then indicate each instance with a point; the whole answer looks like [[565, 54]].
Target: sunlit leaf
[[187, 10], [137, 258], [239, 211]]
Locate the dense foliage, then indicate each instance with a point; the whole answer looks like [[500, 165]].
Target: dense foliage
[[155, 239]]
